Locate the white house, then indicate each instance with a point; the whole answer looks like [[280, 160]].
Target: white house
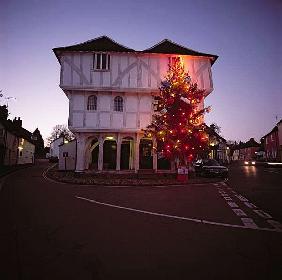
[[54, 147], [67, 155], [111, 91]]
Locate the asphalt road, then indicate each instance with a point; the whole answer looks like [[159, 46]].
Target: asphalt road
[[58, 231], [262, 185]]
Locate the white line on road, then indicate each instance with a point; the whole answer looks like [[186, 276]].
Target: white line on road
[[250, 205], [275, 224], [248, 222], [263, 214], [239, 212], [173, 216], [232, 204], [242, 198]]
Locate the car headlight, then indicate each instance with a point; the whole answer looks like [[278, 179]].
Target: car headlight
[[253, 162], [246, 162]]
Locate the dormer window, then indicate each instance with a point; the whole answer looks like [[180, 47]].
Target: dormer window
[[101, 61]]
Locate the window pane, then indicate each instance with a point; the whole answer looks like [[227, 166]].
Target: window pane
[[92, 102], [109, 62], [104, 61], [98, 59], [118, 104]]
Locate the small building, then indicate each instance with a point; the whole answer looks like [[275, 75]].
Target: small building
[[54, 147], [67, 155], [249, 149]]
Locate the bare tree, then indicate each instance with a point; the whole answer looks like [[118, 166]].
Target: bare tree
[[60, 130], [216, 128]]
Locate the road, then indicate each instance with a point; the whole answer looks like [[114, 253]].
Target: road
[[262, 185], [58, 231]]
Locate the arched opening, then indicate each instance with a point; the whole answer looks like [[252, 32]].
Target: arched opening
[[94, 154], [109, 155], [163, 163], [146, 154], [126, 154]]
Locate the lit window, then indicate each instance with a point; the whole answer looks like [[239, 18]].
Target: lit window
[[118, 104], [92, 103], [101, 61]]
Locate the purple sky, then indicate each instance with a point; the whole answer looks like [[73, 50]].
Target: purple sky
[[246, 35]]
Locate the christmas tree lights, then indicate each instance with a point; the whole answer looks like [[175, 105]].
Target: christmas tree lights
[[178, 121]]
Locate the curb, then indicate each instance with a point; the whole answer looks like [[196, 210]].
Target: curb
[[49, 178]]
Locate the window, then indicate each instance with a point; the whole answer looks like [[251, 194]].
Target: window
[[92, 103], [118, 104], [101, 61]]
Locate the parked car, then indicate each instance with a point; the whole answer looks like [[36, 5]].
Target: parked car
[[210, 167]]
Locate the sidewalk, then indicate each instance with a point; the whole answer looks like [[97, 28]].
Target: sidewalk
[[5, 170]]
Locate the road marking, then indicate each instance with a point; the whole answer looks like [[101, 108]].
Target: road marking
[[242, 198], [232, 204], [275, 224], [263, 214], [239, 212], [248, 222], [250, 205], [173, 216]]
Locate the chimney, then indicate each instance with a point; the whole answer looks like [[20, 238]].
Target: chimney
[[17, 122]]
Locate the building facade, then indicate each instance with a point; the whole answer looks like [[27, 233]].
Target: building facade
[[16, 144], [272, 143], [112, 91]]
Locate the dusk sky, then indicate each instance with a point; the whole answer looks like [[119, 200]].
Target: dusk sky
[[246, 35]]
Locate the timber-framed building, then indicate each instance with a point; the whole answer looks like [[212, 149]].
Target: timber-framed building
[[111, 91]]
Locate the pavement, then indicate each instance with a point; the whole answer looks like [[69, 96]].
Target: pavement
[[51, 230]]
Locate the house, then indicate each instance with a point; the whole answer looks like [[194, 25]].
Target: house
[[54, 147], [219, 149], [249, 149], [273, 142], [279, 125], [16, 144], [67, 155], [111, 91]]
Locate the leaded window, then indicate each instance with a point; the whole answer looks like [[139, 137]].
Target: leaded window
[[118, 104], [92, 103]]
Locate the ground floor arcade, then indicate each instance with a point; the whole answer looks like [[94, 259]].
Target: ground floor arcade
[[118, 151]]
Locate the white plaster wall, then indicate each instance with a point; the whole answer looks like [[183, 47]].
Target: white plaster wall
[[27, 153], [54, 147], [69, 162], [129, 71]]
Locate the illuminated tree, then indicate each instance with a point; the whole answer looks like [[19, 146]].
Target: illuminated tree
[[178, 121]]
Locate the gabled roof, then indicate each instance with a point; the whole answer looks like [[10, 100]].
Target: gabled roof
[[106, 44], [251, 143], [169, 47], [17, 130], [102, 43], [274, 129]]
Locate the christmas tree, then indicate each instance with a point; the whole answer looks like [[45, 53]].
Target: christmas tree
[[178, 121]]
